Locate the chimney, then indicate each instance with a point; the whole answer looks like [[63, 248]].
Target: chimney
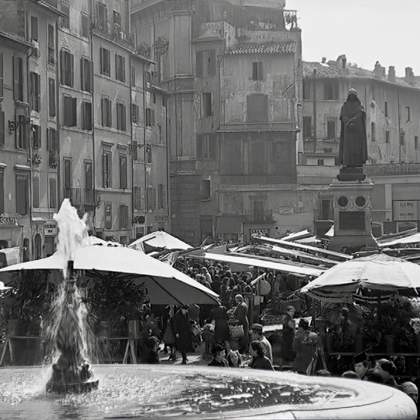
[[379, 71], [409, 76], [342, 61], [324, 60], [391, 73]]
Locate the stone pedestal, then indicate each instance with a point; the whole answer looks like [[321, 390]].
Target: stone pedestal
[[352, 215]]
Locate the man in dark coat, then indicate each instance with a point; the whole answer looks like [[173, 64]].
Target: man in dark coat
[[353, 143], [183, 333]]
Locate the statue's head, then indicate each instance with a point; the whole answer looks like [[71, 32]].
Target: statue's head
[[352, 94]]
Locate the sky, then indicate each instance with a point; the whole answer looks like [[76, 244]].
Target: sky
[[364, 30]]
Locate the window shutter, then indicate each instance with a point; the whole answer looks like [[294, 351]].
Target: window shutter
[[1, 191], [82, 74], [35, 191], [71, 63], [74, 111], [2, 136], [62, 67], [51, 97], [53, 193]]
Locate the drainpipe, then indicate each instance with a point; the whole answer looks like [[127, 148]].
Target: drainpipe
[[131, 143], [92, 83], [57, 115], [168, 178], [399, 126], [27, 130], [314, 104]]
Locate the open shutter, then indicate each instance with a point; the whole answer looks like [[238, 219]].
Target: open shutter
[[62, 67]]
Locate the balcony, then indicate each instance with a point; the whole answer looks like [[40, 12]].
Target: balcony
[[113, 32], [393, 169], [260, 218]]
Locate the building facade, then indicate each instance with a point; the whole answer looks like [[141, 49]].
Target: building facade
[[233, 74], [392, 106]]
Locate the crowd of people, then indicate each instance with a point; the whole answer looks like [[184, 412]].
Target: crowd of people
[[229, 335]]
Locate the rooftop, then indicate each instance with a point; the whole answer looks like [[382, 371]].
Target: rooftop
[[340, 68], [267, 48]]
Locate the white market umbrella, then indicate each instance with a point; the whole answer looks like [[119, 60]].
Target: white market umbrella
[[165, 285], [160, 239], [375, 272]]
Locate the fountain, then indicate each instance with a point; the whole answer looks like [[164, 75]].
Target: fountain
[[156, 391], [71, 371]]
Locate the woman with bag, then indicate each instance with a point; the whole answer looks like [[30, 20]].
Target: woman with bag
[[241, 314]]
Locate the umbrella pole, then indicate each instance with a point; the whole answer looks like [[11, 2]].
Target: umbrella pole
[[71, 372]]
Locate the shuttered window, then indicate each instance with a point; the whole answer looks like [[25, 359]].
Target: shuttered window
[[35, 91], [121, 117], [66, 68], [51, 44], [106, 112], [53, 193], [137, 197], [35, 190], [123, 172], [18, 78], [51, 97], [86, 111], [70, 111], [120, 68], [85, 74], [123, 217], [22, 194], [107, 169], [105, 62], [36, 137]]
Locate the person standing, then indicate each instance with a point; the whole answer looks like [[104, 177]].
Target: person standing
[[305, 345], [241, 314], [288, 336], [221, 327], [183, 333], [257, 335]]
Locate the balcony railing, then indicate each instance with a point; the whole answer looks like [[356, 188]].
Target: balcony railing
[[390, 169], [114, 33]]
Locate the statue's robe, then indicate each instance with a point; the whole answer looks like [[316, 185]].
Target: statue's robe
[[353, 142]]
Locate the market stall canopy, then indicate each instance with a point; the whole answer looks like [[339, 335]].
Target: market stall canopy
[[255, 262], [297, 235], [160, 239], [375, 272], [93, 240], [306, 248], [412, 239], [165, 285]]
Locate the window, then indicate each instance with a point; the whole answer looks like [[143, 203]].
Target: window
[[205, 189], [106, 112], [123, 172], [1, 75], [160, 134], [205, 63], [53, 193], [257, 158], [66, 68], [211, 63], [120, 68], [84, 25], [134, 113], [330, 90], [107, 168], [199, 63], [52, 147], [206, 147], [150, 117], [373, 131], [331, 128], [18, 78], [86, 116], [402, 138], [148, 152], [133, 76], [51, 98], [257, 210], [85, 75], [2, 134], [35, 190], [108, 215], [307, 127], [257, 108], [257, 70], [65, 20], [123, 216], [22, 193], [151, 198], [326, 209], [51, 44], [101, 16], [307, 89], [34, 28], [320, 162], [1, 191], [387, 136], [386, 109], [69, 111], [207, 105], [36, 137], [105, 62], [161, 196], [408, 113], [88, 196], [137, 197], [35, 91], [121, 117], [416, 143], [67, 178], [21, 133]]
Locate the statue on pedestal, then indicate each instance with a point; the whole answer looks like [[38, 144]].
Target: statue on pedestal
[[353, 143]]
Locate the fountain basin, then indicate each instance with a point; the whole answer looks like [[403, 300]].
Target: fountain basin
[[156, 391]]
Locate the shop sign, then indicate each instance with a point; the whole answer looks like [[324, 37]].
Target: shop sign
[[405, 210], [7, 220], [50, 229]]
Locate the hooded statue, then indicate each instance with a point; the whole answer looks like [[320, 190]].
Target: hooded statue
[[353, 144]]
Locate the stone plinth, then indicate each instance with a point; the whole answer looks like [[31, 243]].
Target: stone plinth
[[352, 215]]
